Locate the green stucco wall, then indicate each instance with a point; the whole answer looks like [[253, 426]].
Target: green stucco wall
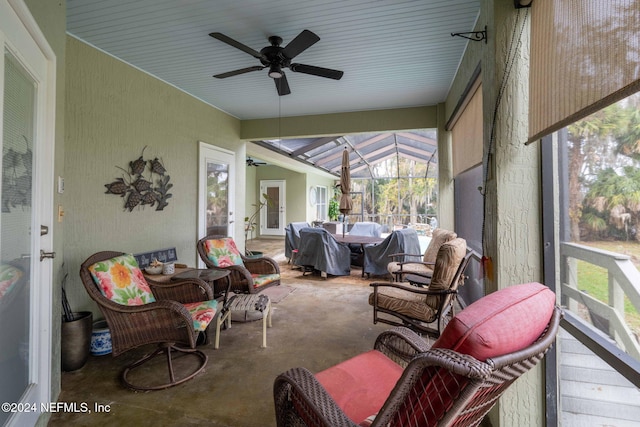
[[113, 111]]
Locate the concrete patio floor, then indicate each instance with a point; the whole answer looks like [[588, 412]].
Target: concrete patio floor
[[318, 324]]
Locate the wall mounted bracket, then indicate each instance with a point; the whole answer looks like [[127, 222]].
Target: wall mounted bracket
[[476, 36]]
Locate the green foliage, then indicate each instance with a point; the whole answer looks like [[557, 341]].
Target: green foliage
[[604, 173], [334, 209]]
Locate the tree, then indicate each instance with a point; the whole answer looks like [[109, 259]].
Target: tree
[[587, 152]]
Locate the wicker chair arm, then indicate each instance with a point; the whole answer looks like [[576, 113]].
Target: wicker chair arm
[[400, 344], [411, 288], [160, 321], [403, 254], [297, 390], [262, 265], [184, 291], [427, 263], [157, 305]]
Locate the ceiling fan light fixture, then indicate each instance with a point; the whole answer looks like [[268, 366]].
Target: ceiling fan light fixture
[[275, 72]]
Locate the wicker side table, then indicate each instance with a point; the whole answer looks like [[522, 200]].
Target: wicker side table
[[242, 303]]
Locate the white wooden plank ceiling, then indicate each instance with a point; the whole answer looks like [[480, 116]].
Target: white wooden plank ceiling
[[394, 53]]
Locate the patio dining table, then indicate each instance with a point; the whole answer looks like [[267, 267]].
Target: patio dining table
[[357, 240], [354, 239]]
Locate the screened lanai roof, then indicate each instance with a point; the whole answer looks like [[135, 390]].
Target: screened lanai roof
[[365, 150]]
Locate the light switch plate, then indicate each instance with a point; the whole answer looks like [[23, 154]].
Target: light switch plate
[[60, 185]]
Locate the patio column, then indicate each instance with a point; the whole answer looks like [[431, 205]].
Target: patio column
[[512, 213], [446, 202]]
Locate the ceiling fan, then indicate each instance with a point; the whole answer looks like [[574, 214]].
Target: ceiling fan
[[251, 162], [276, 57]]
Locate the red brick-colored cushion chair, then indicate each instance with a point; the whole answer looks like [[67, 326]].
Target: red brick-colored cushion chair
[[405, 381]]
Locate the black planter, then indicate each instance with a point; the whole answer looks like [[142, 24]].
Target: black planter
[[76, 341]]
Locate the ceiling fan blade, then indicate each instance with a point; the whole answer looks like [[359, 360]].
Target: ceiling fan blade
[[316, 71], [303, 41], [236, 72], [282, 86], [231, 42]]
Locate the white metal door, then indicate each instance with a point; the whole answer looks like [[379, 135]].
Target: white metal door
[[27, 112], [216, 191], [273, 216]]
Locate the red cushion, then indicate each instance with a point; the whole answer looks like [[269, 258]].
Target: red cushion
[[361, 385], [502, 322]]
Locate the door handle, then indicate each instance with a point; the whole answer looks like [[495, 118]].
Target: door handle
[[44, 255], [44, 230]]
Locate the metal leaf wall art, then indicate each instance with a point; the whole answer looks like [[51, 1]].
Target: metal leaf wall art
[[139, 190], [16, 177]]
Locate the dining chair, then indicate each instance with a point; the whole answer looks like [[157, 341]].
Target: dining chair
[[377, 257], [320, 251]]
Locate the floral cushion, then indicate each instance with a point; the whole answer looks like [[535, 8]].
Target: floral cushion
[[264, 279], [202, 313], [121, 281], [9, 276], [223, 252]]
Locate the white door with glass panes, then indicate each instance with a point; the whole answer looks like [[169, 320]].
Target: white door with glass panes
[[272, 216], [27, 115], [216, 191]]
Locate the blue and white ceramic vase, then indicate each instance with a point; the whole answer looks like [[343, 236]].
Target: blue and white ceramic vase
[[100, 338]]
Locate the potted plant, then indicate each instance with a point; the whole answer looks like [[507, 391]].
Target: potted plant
[[251, 222], [334, 210]]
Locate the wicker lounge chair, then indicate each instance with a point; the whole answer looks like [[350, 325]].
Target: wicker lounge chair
[[248, 275], [140, 312], [405, 381]]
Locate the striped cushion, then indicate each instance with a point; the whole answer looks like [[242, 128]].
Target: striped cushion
[[448, 260], [439, 237], [409, 268], [404, 302]]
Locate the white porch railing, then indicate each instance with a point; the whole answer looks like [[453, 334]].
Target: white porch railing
[[623, 280]]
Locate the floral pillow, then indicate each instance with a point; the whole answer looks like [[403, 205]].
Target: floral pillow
[[120, 280], [223, 252], [9, 276]]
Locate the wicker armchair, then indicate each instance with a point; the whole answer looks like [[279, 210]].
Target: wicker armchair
[[140, 311], [412, 263], [405, 381], [248, 275], [425, 309]]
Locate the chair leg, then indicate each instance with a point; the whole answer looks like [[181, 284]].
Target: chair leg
[[165, 348]]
